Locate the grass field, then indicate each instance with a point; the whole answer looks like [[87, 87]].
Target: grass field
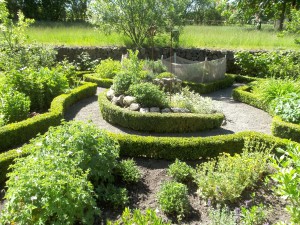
[[226, 37]]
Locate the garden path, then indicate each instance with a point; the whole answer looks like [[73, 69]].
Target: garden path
[[239, 116]]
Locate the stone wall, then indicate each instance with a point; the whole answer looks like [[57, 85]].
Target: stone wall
[[195, 54]]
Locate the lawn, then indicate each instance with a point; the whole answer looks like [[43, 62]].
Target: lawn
[[219, 37]]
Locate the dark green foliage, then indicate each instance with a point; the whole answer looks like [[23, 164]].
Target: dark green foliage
[[14, 106], [180, 171], [157, 122], [84, 62], [115, 196], [173, 199], [18, 133], [105, 83], [122, 82], [128, 171], [148, 95]]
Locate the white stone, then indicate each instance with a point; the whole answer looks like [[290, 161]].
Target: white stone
[[134, 107], [110, 94], [180, 110], [154, 109], [128, 100], [166, 110], [144, 110]]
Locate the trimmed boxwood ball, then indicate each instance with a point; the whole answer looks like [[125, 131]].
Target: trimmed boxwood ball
[[148, 95]]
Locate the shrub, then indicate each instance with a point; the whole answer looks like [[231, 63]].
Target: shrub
[[193, 102], [254, 215], [122, 82], [270, 89], [84, 62], [180, 171], [165, 75], [226, 177], [108, 68], [148, 95], [136, 217], [128, 171], [133, 65], [41, 86], [287, 176], [14, 106], [115, 196], [221, 215], [156, 67], [173, 199], [287, 107]]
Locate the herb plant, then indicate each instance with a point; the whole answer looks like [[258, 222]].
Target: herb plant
[[128, 171], [181, 172], [108, 68]]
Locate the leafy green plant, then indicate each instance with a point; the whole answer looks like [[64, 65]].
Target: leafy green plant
[[287, 177], [221, 216], [128, 171], [156, 67], [226, 177], [122, 82], [115, 196], [270, 89], [165, 75], [192, 101], [173, 199], [180, 171], [137, 217], [108, 68], [14, 106], [255, 215], [287, 107], [148, 95], [84, 62]]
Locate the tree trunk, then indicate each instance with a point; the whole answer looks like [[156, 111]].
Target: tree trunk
[[282, 16]]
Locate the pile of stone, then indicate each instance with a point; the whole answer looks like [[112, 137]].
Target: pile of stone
[[130, 103]]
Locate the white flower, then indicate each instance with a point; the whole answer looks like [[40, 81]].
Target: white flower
[[19, 151], [33, 198], [157, 210]]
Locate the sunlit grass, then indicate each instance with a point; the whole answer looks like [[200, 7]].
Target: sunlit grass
[[220, 37]]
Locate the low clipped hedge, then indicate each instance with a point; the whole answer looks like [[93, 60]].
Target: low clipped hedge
[[18, 133], [170, 147], [157, 122], [101, 82], [280, 128], [204, 88], [201, 88]]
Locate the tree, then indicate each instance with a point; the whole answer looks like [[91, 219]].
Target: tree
[[138, 19]]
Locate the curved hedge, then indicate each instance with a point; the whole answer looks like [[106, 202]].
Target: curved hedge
[[280, 128], [18, 133], [157, 122], [170, 147], [201, 88]]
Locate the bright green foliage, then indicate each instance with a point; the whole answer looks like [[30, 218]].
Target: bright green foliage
[[148, 95], [270, 89], [115, 196], [226, 177], [165, 75], [128, 171], [193, 102], [41, 86], [255, 215], [287, 107], [277, 64], [122, 82], [137, 217], [137, 19], [221, 216], [173, 199], [293, 25], [287, 176], [180, 171], [14, 106], [108, 68]]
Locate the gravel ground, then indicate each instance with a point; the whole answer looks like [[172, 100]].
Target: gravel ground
[[239, 116]]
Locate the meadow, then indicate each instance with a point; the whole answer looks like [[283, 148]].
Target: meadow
[[218, 37]]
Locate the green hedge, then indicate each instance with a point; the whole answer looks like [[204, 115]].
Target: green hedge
[[244, 79], [16, 134], [284, 129], [197, 87], [105, 83], [204, 88], [170, 147], [280, 128], [158, 122]]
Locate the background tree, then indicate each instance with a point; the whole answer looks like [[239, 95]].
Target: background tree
[[138, 19]]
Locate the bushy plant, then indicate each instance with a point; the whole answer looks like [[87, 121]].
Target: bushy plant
[[137, 217], [156, 67], [115, 196], [270, 89], [226, 177], [287, 107], [148, 95], [165, 75], [133, 65], [287, 177], [255, 215], [84, 62], [108, 68], [128, 171], [41, 86], [173, 199], [122, 82], [278, 64], [69, 70], [192, 101], [14, 106], [180, 171], [221, 216]]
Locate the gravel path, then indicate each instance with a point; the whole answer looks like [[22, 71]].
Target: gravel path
[[239, 116]]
